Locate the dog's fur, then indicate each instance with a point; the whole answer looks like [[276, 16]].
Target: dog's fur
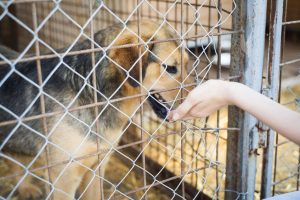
[[71, 84]]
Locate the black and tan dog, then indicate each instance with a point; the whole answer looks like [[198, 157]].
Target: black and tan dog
[[72, 81]]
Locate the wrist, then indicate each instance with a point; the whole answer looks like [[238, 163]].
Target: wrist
[[233, 92]]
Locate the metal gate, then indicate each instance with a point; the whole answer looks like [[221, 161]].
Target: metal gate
[[263, 68]]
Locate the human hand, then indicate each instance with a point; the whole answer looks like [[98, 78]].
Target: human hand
[[203, 100]]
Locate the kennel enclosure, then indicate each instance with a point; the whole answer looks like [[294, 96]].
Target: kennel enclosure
[[212, 158]]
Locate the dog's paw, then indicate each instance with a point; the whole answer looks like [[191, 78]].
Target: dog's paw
[[30, 191]]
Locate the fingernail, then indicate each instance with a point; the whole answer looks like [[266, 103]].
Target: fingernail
[[170, 117], [175, 117]]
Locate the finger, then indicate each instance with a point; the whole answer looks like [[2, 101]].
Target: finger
[[183, 109], [185, 117], [188, 117], [170, 115], [197, 111]]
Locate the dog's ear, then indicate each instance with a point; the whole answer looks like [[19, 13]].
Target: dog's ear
[[128, 54]]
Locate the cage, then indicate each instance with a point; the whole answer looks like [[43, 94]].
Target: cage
[[124, 61]]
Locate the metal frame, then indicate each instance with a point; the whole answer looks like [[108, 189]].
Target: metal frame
[[273, 92], [247, 60]]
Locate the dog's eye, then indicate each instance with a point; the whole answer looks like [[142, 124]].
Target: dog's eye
[[170, 69]]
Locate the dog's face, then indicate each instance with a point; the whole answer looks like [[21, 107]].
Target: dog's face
[[165, 73], [163, 64]]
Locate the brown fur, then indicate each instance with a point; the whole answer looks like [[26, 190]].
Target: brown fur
[[78, 176]]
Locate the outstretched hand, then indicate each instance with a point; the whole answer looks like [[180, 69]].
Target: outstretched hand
[[203, 100], [214, 94]]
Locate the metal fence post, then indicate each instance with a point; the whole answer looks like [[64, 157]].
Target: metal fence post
[[273, 86], [253, 19], [235, 115], [254, 58]]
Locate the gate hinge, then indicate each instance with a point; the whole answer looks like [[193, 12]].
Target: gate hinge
[[258, 137], [259, 133], [262, 134]]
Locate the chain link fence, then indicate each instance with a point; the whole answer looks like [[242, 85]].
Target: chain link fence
[[85, 88]]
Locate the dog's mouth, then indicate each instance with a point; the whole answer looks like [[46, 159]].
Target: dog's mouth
[[159, 105]]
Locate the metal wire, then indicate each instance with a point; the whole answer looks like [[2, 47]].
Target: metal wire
[[181, 160]]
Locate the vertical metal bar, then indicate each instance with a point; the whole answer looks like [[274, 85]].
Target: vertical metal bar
[[274, 83], [176, 18], [188, 158], [255, 24], [252, 18], [209, 25], [141, 100], [96, 109], [195, 175], [219, 74], [208, 76], [182, 143], [235, 115], [157, 8], [281, 55], [40, 82]]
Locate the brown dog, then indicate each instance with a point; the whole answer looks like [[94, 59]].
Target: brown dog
[[68, 141]]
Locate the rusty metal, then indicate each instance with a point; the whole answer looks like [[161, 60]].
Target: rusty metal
[[48, 56], [235, 115]]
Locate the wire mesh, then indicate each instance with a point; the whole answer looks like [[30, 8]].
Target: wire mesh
[[142, 155]]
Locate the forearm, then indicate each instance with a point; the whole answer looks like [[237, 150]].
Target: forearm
[[276, 116]]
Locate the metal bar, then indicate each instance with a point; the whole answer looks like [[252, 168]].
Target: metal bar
[[290, 62], [286, 178], [95, 98], [219, 76], [182, 142], [141, 99], [252, 16], [49, 114], [235, 115], [195, 176], [281, 55], [290, 22], [208, 77], [48, 56], [255, 24], [273, 83], [195, 4], [42, 97]]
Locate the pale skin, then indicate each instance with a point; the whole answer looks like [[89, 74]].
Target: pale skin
[[215, 94]]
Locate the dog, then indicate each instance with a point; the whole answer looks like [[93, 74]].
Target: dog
[[92, 96]]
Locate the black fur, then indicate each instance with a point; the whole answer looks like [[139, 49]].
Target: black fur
[[17, 94]]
